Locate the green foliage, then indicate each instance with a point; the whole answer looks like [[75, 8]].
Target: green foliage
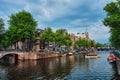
[[92, 43], [58, 37], [1, 24], [21, 26], [99, 45], [84, 43], [6, 40], [113, 21], [115, 38], [47, 35], [2, 30], [67, 40], [62, 39], [1, 27]]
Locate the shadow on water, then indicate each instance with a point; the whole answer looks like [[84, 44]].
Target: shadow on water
[[9, 59]]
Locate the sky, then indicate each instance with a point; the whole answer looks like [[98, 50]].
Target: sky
[[73, 15]]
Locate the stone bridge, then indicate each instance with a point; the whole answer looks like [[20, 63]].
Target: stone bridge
[[2, 54], [29, 55]]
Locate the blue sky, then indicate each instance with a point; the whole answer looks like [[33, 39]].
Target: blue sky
[[74, 15]]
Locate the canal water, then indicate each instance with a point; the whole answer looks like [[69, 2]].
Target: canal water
[[75, 67]]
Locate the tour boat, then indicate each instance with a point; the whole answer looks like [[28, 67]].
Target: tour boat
[[92, 55], [111, 58]]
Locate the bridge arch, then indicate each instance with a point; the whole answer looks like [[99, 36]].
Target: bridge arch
[[10, 57]]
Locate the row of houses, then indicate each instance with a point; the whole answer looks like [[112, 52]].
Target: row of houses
[[40, 45]]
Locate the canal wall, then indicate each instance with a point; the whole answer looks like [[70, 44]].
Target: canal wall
[[118, 65], [35, 56], [117, 54]]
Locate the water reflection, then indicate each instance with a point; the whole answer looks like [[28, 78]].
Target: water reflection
[[70, 68], [41, 69]]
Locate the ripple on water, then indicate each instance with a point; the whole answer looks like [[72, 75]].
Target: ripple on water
[[67, 68]]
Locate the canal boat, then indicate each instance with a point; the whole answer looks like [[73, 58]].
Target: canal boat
[[70, 53], [92, 55], [111, 58]]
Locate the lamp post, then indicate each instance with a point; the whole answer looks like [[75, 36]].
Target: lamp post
[[29, 41]]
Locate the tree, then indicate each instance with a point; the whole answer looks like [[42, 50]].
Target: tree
[[81, 42], [68, 40], [2, 29], [115, 38], [62, 39], [59, 38], [99, 45], [22, 26], [1, 25], [113, 21], [47, 35], [92, 43], [84, 43], [5, 42]]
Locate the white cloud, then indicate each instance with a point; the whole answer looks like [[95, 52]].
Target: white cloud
[[18, 2], [98, 31], [98, 5], [27, 7], [78, 22], [51, 9], [48, 10], [81, 14]]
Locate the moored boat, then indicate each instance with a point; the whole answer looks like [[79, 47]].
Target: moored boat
[[70, 53], [111, 58], [92, 55]]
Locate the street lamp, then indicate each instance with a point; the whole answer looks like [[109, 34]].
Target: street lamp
[[29, 41]]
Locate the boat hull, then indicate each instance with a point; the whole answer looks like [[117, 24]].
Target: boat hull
[[96, 56], [111, 58]]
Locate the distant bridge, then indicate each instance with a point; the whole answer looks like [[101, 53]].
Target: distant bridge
[[105, 48]]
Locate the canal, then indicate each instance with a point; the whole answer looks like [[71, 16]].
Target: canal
[[74, 67]]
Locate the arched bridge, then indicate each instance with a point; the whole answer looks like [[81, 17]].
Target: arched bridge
[[2, 54], [10, 57], [28, 55], [20, 55]]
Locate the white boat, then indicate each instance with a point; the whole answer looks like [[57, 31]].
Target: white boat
[[70, 53], [92, 55]]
